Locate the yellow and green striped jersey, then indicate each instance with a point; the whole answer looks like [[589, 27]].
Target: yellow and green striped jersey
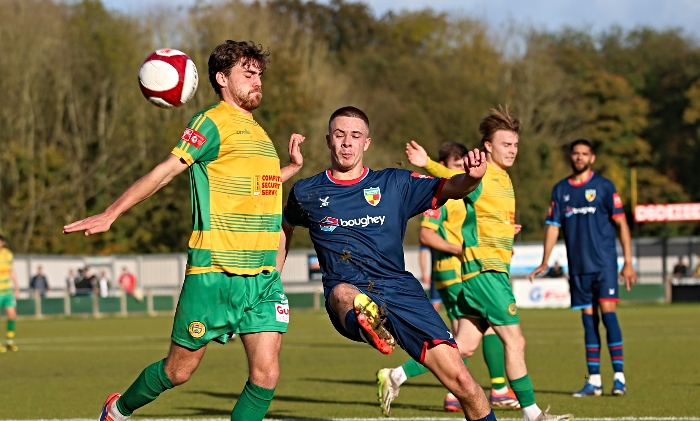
[[489, 226], [447, 223], [235, 185], [6, 286]]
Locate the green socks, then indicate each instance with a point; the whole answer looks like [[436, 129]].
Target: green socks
[[524, 391], [152, 382], [11, 329], [253, 403], [251, 406], [495, 360], [413, 368]]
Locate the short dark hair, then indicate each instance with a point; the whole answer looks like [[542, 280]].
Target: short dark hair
[[231, 53], [348, 111], [451, 149], [498, 119], [582, 142]]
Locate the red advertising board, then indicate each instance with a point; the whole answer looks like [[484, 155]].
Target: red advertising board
[[670, 212]]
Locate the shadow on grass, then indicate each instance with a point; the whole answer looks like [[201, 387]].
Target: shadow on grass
[[372, 382], [288, 398]]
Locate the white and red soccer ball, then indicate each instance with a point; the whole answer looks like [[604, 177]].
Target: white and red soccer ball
[[168, 78]]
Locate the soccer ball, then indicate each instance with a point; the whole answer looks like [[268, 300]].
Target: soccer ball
[[168, 78]]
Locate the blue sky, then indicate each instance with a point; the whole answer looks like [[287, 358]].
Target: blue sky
[[544, 14]]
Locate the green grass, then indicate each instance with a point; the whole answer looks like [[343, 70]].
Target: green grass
[[66, 367]]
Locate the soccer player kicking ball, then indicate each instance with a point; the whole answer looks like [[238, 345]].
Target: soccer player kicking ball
[[587, 208], [485, 297], [441, 229], [357, 220], [236, 185]]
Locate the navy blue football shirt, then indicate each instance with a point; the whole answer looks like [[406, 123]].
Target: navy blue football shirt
[[357, 226], [585, 212]]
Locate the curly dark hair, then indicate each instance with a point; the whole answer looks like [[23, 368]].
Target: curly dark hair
[[231, 53]]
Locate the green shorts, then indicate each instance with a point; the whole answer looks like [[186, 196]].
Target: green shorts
[[215, 305], [450, 297], [487, 296], [7, 300]]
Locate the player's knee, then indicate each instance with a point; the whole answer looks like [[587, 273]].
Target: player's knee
[[266, 378], [179, 376], [342, 296], [466, 351]]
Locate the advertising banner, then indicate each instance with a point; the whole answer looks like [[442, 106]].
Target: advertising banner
[[543, 293]]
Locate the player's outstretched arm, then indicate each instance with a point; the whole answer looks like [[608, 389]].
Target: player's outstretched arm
[[416, 154], [142, 189], [550, 239], [460, 185], [419, 157], [433, 240], [627, 273], [296, 159], [285, 240]]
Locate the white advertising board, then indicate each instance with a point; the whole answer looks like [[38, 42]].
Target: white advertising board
[[543, 293]]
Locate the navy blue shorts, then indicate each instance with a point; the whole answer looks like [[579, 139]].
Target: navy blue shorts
[[591, 288], [434, 294], [408, 315]]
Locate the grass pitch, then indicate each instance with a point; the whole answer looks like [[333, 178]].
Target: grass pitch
[[66, 367]]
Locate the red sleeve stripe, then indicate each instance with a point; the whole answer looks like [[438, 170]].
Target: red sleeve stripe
[[436, 197], [618, 215]]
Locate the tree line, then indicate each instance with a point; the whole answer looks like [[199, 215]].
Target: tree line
[[77, 132]]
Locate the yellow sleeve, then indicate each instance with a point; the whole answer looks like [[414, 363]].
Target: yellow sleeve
[[439, 170]]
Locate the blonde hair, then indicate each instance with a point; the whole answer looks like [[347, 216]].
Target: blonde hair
[[498, 119]]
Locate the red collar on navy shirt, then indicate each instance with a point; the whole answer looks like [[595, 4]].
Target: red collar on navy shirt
[[347, 182], [575, 184]]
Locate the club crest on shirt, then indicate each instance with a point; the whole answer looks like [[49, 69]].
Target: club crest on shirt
[[373, 195], [197, 329], [590, 195]]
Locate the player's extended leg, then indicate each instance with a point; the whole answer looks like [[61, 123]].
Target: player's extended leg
[[516, 369], [614, 336], [390, 380], [359, 315], [155, 379], [468, 335], [494, 355], [11, 313], [445, 363], [262, 350], [594, 384]]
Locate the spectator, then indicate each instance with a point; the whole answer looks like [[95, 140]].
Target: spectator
[[85, 283], [555, 271], [71, 282], [127, 281], [104, 285], [680, 270], [39, 283]]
